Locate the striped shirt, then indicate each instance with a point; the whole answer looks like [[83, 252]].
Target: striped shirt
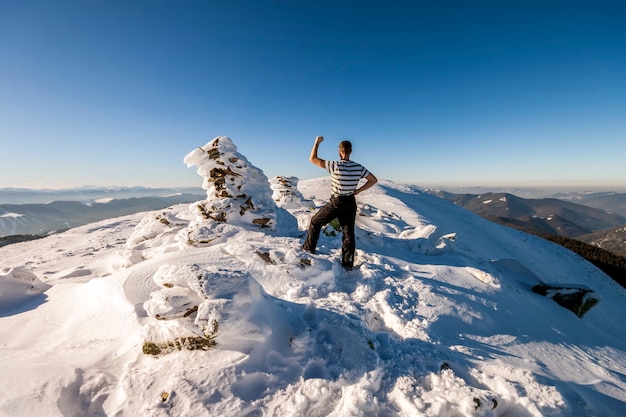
[[345, 176]]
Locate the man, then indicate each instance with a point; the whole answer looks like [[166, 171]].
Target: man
[[345, 175]]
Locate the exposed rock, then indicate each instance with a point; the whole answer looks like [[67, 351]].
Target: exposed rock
[[575, 298], [180, 343], [265, 256]]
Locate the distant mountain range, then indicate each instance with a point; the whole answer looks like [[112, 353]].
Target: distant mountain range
[[39, 219], [87, 193], [612, 202], [595, 218]]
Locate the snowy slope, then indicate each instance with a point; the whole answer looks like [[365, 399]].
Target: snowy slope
[[236, 320]]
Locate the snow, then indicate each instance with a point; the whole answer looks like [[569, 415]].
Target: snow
[[11, 215], [236, 320]]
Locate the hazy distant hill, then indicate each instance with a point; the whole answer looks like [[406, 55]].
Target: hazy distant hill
[[539, 216], [14, 195], [36, 219], [613, 202]]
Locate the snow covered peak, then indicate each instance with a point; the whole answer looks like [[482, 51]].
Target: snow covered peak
[[439, 319]]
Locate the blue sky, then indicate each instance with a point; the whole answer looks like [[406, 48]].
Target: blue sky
[[430, 92]]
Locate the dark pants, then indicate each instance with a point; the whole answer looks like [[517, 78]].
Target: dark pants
[[343, 209]]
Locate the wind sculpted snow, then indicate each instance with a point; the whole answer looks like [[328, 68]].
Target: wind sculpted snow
[[198, 310]]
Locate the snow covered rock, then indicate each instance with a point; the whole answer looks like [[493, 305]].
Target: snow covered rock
[[156, 233], [17, 287], [238, 194], [287, 195]]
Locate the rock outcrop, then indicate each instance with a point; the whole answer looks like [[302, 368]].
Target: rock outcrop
[[238, 195]]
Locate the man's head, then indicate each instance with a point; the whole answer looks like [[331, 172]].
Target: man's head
[[345, 149]]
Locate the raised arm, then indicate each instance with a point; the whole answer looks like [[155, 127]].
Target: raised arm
[[313, 157]]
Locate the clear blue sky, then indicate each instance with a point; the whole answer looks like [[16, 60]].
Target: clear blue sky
[[430, 92]]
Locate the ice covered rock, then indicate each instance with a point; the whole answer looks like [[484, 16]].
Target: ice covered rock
[[287, 195], [238, 194], [19, 287]]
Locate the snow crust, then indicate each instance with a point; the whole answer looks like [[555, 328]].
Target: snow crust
[[11, 215], [199, 310]]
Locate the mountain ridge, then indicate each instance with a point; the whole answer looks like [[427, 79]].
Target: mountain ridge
[[87, 193], [610, 201], [598, 225]]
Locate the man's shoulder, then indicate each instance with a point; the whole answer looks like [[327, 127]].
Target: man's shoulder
[[352, 165], [348, 163]]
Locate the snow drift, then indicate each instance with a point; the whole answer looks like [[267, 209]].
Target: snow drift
[[205, 310]]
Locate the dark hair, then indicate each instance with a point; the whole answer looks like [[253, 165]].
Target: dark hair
[[346, 145]]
